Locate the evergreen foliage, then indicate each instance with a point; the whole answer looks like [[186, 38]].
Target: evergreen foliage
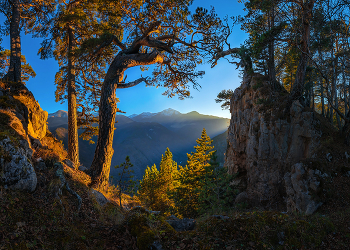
[[186, 195], [125, 180], [149, 187], [26, 70], [156, 185], [215, 194], [224, 96], [27, 15]]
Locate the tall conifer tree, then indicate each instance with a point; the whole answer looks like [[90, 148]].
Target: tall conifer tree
[[75, 22]]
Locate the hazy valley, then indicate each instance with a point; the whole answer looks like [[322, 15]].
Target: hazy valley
[[145, 137]]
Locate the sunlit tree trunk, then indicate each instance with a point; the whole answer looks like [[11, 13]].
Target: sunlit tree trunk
[[100, 167], [73, 149], [14, 73]]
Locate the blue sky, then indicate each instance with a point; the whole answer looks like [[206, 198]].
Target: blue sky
[[140, 99]]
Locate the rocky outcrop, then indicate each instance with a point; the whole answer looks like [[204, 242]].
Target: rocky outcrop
[[264, 141], [35, 117], [22, 126], [17, 171], [302, 186]]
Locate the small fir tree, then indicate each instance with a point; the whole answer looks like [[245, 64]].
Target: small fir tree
[[125, 181], [216, 192], [186, 195], [149, 187], [156, 185], [168, 176]]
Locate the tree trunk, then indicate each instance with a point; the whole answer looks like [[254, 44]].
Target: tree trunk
[[322, 99], [271, 49], [73, 149], [321, 85], [100, 167], [14, 73], [298, 86]]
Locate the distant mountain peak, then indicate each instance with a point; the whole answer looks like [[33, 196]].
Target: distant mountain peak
[[165, 112], [147, 114], [59, 113], [169, 111]]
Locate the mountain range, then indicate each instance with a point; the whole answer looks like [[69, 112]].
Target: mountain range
[[144, 137]]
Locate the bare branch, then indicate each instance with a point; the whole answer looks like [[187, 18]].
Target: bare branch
[[133, 83], [221, 54]]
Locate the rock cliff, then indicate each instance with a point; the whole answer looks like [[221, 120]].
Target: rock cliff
[[264, 142], [22, 126]]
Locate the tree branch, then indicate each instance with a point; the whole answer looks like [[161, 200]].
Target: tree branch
[[106, 43], [133, 83], [221, 54]]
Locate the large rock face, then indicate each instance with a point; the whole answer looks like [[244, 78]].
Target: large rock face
[[17, 171], [263, 143], [22, 125], [302, 186]]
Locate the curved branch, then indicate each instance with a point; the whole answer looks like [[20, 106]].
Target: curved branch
[[133, 83], [223, 53]]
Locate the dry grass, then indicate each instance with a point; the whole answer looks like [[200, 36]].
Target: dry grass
[[52, 150]]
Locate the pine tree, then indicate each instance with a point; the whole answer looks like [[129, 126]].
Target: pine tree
[[154, 36], [225, 97], [215, 193], [125, 179], [75, 22], [149, 187], [26, 70], [186, 195], [168, 174], [156, 185]]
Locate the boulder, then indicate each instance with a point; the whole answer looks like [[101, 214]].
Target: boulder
[[99, 197], [35, 142], [242, 198], [17, 171], [302, 185], [35, 117], [179, 225], [69, 163]]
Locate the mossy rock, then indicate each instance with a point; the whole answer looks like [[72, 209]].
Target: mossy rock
[[139, 225]]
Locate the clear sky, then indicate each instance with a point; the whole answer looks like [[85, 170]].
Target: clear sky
[[140, 99]]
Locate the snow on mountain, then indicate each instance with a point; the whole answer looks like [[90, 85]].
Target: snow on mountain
[[169, 112], [147, 114], [59, 113]]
